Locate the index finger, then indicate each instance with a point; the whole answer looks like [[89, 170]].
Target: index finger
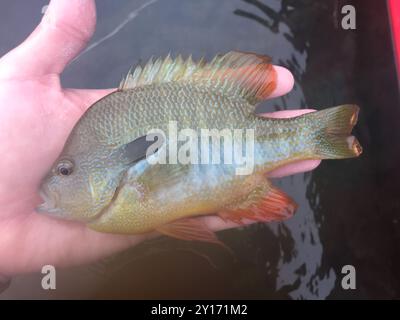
[[63, 32], [284, 82]]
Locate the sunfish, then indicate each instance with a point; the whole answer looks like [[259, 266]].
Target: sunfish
[[100, 180]]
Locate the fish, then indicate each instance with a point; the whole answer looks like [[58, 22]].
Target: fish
[[104, 179]]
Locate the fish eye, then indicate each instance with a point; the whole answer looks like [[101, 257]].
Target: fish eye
[[64, 168]]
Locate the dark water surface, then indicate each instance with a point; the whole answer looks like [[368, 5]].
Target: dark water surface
[[349, 210]]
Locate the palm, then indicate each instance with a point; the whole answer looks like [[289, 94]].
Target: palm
[[40, 115], [36, 116]]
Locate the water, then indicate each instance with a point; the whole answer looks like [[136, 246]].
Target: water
[[348, 210]]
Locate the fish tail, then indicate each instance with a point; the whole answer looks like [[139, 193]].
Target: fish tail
[[333, 139]]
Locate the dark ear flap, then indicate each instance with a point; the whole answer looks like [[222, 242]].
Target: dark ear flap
[[138, 149]]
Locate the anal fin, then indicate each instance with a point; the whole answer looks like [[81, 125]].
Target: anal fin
[[193, 229], [263, 204]]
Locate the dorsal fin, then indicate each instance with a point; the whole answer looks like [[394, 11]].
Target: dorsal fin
[[249, 75]]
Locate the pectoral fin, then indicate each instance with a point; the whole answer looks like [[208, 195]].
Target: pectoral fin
[[265, 203], [140, 148]]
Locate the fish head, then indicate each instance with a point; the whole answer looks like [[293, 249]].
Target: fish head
[[78, 187]]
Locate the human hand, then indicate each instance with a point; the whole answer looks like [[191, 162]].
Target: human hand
[[36, 116]]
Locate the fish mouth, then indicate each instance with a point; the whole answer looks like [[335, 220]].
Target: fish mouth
[[49, 204]]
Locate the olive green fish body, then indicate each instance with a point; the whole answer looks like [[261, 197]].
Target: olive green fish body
[[98, 180]]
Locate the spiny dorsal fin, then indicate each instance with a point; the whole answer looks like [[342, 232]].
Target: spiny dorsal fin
[[249, 75]]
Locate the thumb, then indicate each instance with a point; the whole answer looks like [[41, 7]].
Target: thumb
[[63, 32]]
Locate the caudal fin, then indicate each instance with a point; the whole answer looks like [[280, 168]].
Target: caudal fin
[[333, 138]]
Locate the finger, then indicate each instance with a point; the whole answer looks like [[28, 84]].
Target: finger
[[85, 98], [296, 167], [284, 82], [63, 32], [216, 223], [284, 114]]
